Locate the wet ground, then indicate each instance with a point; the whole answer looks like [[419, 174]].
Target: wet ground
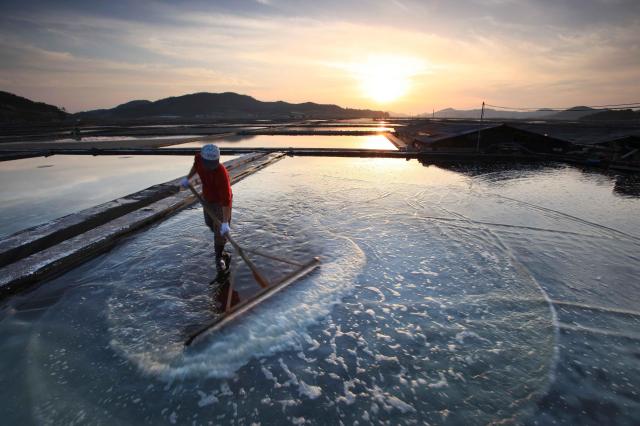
[[297, 141], [341, 128], [119, 138], [37, 190], [468, 295]]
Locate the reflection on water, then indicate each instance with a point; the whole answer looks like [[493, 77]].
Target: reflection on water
[[298, 141], [627, 185], [121, 138], [36, 190], [443, 297], [227, 297], [597, 196], [341, 129]]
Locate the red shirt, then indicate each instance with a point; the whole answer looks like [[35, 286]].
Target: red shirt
[[215, 183]]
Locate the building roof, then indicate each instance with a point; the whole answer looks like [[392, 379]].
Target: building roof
[[632, 140], [450, 132], [430, 139]]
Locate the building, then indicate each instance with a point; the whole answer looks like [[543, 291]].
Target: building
[[625, 149], [500, 138]]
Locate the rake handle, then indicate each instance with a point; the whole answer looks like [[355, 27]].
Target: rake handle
[[262, 281]]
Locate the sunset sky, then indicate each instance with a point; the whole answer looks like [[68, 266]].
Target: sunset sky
[[396, 55]]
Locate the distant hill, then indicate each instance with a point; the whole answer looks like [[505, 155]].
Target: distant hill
[[223, 105], [16, 109], [574, 113], [623, 115], [488, 114]]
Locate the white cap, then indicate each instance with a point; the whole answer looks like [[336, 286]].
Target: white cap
[[210, 152]]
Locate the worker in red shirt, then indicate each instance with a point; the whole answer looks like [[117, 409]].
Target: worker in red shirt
[[216, 191]]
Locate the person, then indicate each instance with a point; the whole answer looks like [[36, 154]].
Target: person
[[216, 192]]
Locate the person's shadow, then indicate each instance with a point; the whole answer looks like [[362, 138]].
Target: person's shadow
[[221, 294], [221, 284], [221, 301]]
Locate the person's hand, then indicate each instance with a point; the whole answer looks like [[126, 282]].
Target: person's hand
[[184, 182], [224, 228]]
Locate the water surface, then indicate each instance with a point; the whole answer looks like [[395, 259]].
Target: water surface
[[297, 141], [120, 138], [465, 295], [343, 128], [36, 190]]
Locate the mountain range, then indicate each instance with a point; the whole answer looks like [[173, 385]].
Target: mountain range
[[224, 105], [204, 105], [574, 113], [15, 110]]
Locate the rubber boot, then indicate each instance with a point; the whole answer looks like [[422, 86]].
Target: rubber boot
[[220, 261]]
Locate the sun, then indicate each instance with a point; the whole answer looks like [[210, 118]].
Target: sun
[[385, 79], [383, 84]]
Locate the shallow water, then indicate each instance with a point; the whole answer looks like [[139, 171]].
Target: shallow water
[[298, 141], [343, 129], [359, 124], [214, 126], [462, 296], [36, 190], [120, 138]]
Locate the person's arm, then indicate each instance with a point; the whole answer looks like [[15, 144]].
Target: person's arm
[[185, 180], [228, 198]]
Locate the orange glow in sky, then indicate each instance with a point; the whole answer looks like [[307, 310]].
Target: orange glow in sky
[[385, 79], [402, 55]]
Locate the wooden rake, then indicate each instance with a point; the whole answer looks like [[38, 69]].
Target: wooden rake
[[268, 289]]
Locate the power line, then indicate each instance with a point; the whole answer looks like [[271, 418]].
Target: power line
[[615, 105], [584, 108]]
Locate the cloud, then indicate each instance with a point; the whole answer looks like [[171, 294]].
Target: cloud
[[85, 55], [104, 83]]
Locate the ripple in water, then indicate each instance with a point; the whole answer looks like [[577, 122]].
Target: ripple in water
[[426, 309], [156, 344]]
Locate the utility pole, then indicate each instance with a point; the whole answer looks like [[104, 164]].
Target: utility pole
[[480, 130], [433, 113]]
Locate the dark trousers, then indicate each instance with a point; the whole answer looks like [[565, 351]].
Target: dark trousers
[[219, 240]]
